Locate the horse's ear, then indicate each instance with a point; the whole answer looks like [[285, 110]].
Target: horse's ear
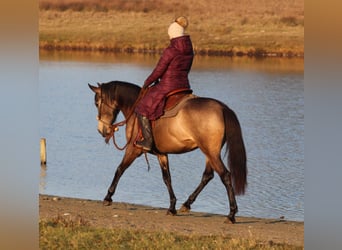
[[93, 88]]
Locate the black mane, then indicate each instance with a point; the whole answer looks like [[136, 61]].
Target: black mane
[[114, 90]]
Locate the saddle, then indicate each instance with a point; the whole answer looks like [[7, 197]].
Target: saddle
[[174, 97], [175, 100]]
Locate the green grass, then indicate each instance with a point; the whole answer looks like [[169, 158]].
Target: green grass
[[61, 233]]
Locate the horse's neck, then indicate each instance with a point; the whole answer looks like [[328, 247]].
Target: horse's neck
[[127, 109], [127, 112], [126, 98]]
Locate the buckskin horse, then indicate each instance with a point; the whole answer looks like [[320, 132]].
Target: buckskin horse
[[203, 123]]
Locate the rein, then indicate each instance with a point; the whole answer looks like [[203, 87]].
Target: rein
[[115, 126]]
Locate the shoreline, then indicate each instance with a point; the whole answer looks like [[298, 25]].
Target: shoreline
[[201, 52], [122, 203], [152, 219]]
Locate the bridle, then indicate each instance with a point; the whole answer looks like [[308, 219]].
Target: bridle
[[98, 117], [115, 127]]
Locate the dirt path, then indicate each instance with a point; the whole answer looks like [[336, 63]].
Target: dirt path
[[129, 216]]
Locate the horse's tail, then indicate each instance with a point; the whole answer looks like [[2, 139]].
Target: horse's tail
[[237, 160]]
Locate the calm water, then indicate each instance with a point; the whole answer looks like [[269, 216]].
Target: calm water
[[267, 96]]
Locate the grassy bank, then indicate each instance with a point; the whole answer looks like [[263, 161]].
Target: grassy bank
[[61, 233], [219, 27]]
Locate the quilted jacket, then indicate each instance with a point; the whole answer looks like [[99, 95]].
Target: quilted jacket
[[170, 73]]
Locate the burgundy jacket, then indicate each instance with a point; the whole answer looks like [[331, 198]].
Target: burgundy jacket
[[172, 73]]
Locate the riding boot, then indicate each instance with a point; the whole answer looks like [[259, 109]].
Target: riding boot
[[146, 142]]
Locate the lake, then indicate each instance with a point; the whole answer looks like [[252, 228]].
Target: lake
[[266, 94]]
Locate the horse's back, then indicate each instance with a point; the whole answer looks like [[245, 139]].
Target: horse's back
[[199, 109], [204, 104], [203, 113]]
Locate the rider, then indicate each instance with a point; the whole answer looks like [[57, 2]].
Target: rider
[[170, 73]]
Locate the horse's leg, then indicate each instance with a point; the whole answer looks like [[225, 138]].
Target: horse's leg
[[164, 164], [226, 179], [129, 157], [208, 174]]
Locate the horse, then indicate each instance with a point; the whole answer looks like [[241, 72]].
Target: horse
[[202, 122]]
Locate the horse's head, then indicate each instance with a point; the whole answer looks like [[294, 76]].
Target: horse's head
[[107, 109]]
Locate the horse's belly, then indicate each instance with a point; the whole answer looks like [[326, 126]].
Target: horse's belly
[[171, 138], [175, 146]]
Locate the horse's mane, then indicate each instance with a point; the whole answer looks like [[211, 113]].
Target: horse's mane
[[115, 89]]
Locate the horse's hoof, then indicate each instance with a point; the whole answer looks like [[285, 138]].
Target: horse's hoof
[[107, 203], [171, 212], [230, 220], [184, 209]]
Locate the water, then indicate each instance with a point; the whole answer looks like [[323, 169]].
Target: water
[[267, 96]]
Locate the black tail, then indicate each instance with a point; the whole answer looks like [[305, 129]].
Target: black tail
[[237, 159]]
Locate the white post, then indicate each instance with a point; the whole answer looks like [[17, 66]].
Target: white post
[[42, 151]]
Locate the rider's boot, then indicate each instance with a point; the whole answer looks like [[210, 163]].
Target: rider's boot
[[146, 142]]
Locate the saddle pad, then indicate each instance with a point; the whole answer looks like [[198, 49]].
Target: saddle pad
[[174, 110]]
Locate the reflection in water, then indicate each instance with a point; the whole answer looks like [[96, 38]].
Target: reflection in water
[[42, 181], [276, 65], [267, 96]]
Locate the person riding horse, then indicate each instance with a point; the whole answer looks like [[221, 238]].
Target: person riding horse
[[170, 73]]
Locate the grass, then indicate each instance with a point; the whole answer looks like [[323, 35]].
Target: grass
[[62, 233], [219, 27]]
